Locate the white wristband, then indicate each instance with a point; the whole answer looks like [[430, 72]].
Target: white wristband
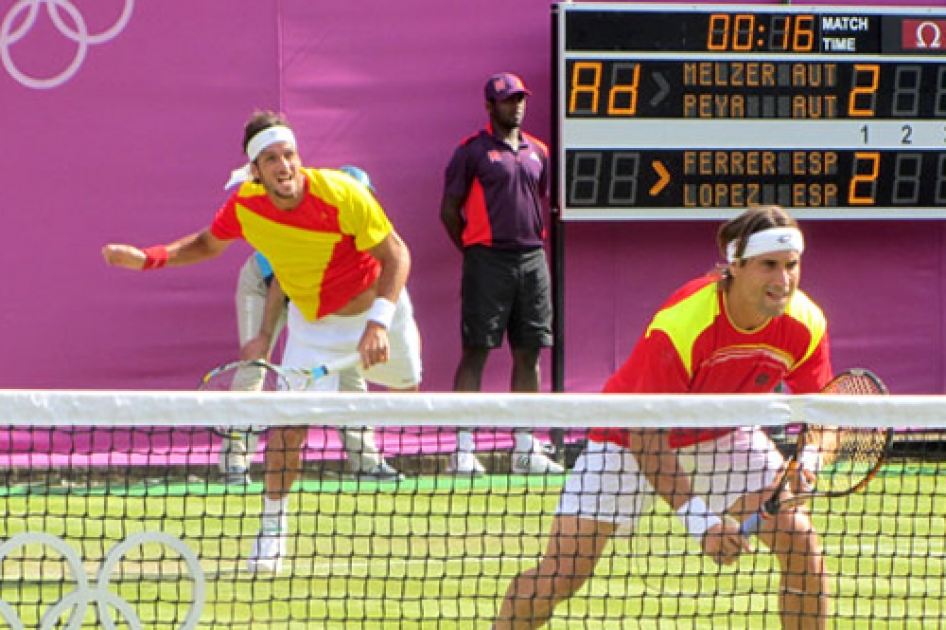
[[382, 312], [810, 459], [697, 518]]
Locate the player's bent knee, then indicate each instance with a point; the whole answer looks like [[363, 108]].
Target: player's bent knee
[[559, 584], [794, 534], [293, 437], [549, 583], [566, 586]]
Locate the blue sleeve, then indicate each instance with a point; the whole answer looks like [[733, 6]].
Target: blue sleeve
[[265, 268]]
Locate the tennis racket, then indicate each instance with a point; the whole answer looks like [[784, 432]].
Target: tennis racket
[[263, 376], [845, 458]]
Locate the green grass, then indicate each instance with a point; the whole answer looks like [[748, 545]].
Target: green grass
[[437, 553]]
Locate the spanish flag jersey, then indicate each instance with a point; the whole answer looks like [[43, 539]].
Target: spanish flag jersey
[[318, 250], [692, 346]]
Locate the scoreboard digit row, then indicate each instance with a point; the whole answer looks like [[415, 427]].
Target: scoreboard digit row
[[812, 178], [735, 89]]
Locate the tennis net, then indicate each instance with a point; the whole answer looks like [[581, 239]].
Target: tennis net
[[113, 514]]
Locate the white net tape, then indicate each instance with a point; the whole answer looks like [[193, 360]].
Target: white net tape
[[186, 408]]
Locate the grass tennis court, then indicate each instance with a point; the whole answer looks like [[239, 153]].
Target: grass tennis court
[[434, 552]]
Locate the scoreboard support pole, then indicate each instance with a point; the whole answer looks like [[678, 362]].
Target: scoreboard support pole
[[557, 237]]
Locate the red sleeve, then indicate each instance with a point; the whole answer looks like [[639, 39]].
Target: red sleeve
[[543, 186], [225, 225], [811, 375], [654, 367]]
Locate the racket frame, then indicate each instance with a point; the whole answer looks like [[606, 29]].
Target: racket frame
[[284, 376], [774, 504]]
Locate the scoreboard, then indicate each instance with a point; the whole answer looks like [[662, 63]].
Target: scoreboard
[[676, 111]]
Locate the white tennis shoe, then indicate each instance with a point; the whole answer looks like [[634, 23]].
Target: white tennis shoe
[[269, 549], [237, 476], [535, 463], [464, 463], [382, 472]]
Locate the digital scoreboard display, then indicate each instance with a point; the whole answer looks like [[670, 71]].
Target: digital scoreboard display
[[689, 112]]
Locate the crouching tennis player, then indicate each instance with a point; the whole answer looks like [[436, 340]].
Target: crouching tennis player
[[743, 328]]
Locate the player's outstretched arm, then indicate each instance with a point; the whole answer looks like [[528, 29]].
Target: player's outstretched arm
[[127, 256], [191, 249]]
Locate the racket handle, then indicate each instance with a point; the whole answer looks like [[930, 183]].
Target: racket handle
[[751, 525], [343, 363]]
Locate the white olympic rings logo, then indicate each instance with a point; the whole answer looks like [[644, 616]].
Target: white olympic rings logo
[[78, 32], [84, 594]]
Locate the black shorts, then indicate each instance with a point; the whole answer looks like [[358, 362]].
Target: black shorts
[[506, 292]]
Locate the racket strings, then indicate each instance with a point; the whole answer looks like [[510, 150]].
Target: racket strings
[[856, 383], [245, 377], [861, 446], [849, 454], [859, 451]]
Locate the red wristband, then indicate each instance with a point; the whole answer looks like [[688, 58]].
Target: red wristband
[[155, 257]]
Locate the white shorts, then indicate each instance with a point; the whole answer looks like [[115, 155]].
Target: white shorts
[[251, 303], [607, 485], [334, 337]]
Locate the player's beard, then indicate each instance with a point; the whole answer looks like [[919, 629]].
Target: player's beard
[[286, 190], [750, 307], [775, 301]]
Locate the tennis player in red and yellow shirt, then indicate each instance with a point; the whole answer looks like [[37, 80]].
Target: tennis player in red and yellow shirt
[[343, 268], [743, 329]]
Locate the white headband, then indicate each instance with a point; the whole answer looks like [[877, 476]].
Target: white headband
[[265, 138], [780, 239]]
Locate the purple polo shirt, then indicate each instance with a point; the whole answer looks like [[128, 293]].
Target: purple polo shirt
[[502, 190]]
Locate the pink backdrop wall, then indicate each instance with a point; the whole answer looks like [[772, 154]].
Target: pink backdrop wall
[[136, 144]]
